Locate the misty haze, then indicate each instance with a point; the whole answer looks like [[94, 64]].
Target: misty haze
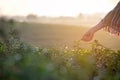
[[42, 40]]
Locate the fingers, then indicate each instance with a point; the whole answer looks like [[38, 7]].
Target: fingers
[[87, 37]]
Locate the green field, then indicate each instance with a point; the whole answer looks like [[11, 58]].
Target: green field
[[20, 60], [49, 35]]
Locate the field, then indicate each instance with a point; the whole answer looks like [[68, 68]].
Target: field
[[56, 58], [58, 35]]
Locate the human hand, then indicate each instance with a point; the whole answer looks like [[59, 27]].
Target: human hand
[[88, 36]]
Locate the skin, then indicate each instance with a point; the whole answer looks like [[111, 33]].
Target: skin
[[88, 36]]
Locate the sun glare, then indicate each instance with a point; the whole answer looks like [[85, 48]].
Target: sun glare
[[55, 7]]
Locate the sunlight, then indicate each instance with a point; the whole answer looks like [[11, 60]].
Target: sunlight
[[55, 7]]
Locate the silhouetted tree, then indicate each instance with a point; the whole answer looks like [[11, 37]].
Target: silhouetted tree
[[81, 15], [31, 16]]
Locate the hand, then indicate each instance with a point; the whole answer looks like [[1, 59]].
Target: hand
[[88, 35]]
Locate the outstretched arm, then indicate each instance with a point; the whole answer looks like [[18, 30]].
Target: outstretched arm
[[103, 23], [90, 33], [110, 21]]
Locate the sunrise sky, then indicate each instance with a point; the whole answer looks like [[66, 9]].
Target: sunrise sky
[[55, 7]]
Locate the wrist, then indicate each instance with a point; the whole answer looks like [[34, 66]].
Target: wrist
[[97, 27]]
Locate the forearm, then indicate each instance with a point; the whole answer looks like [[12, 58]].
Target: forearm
[[97, 27], [104, 22]]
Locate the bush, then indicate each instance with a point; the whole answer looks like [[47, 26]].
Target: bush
[[21, 61]]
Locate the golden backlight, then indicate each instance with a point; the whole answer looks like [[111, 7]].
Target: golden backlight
[[55, 7]]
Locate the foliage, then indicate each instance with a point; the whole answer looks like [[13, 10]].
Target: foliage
[[21, 61]]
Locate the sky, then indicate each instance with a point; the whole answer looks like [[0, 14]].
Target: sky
[[55, 7]]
